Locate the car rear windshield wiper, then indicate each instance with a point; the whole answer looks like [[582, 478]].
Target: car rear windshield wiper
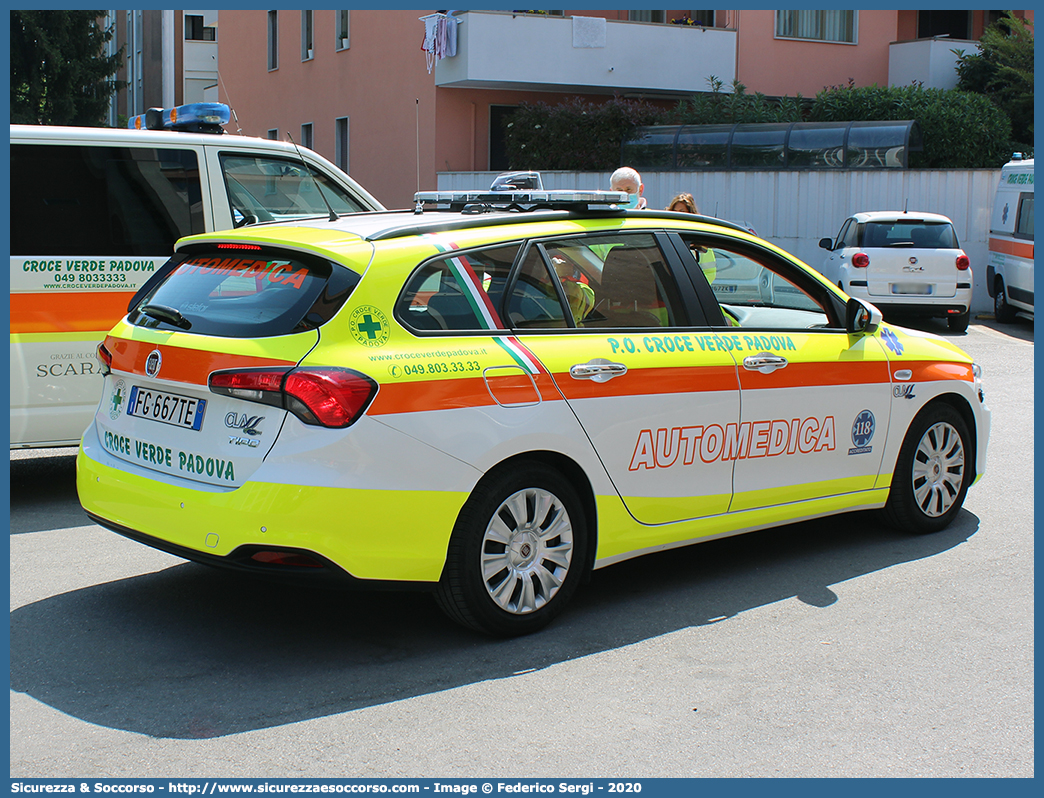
[[167, 314]]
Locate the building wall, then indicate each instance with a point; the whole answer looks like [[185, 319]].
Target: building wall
[[379, 82], [786, 67]]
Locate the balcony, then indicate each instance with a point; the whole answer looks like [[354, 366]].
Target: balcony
[[505, 50], [930, 62]]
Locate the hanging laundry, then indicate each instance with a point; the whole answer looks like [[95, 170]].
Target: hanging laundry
[[440, 38]]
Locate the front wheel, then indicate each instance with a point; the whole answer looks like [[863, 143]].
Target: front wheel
[[517, 553], [933, 471]]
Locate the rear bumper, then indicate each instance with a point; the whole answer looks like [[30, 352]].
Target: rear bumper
[[360, 535], [321, 573]]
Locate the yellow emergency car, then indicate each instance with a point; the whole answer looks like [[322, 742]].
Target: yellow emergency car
[[498, 392]]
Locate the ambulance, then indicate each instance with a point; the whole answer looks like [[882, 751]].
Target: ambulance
[[1009, 271], [95, 211], [498, 392]]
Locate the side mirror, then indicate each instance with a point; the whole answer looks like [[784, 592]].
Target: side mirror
[[861, 317], [826, 243]]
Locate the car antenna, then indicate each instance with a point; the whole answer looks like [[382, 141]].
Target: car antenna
[[906, 206], [333, 216]]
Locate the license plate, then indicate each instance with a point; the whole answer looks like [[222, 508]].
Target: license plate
[[911, 288], [167, 408]]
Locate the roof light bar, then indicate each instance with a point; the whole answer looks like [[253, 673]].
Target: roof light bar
[[479, 200], [194, 118]]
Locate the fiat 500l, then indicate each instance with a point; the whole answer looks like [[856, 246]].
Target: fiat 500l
[[495, 394]]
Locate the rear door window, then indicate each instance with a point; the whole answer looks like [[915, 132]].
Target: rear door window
[[244, 293]]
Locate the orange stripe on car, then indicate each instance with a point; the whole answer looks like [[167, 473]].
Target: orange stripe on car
[[930, 371], [1020, 249], [73, 312], [180, 364], [811, 375]]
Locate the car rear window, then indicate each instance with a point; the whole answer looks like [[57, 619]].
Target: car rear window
[[910, 233], [243, 293]]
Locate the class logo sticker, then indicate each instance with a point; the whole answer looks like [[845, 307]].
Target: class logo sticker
[[862, 433], [119, 393], [369, 326]]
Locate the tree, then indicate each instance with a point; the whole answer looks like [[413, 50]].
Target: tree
[[60, 74], [1003, 71]]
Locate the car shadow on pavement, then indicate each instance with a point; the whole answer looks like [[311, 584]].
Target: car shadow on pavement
[[43, 492], [191, 652]]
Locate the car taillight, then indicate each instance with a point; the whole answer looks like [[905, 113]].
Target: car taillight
[[327, 397], [105, 359], [860, 260], [963, 263]]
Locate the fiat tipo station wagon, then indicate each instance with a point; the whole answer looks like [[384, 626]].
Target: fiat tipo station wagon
[[498, 392]]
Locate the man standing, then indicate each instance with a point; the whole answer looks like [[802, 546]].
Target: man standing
[[627, 179]]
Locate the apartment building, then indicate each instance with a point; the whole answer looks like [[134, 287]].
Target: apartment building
[[395, 96], [169, 58]]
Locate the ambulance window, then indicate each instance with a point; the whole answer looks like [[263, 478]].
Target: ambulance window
[[103, 201], [1024, 224], [264, 189], [754, 290], [459, 293], [617, 281]]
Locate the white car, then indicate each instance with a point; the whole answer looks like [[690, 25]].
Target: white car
[[902, 262]]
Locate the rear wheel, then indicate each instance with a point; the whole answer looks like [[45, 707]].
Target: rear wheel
[[1003, 312], [959, 323], [932, 473], [516, 554]]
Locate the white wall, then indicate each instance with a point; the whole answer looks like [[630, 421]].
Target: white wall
[[794, 209], [928, 61]]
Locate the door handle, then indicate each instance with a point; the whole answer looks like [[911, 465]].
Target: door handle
[[764, 362], [597, 370]]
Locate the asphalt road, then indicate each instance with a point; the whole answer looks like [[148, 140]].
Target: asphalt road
[[831, 648]]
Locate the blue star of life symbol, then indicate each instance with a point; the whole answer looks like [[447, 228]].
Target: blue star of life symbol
[[892, 341]]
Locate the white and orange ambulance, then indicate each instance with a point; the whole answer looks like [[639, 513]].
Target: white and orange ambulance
[[1009, 272], [95, 211]]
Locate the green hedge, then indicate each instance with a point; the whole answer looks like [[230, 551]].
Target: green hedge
[[960, 130]]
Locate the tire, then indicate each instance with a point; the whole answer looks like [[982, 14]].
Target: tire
[[517, 552], [1002, 311], [959, 323], [933, 472]]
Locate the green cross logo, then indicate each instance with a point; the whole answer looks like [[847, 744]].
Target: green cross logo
[[369, 326], [117, 400]]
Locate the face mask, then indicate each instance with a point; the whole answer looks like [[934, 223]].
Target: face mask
[[632, 201]]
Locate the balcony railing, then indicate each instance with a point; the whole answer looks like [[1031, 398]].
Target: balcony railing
[[505, 50], [930, 62]]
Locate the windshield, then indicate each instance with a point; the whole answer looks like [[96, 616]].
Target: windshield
[[266, 189]]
